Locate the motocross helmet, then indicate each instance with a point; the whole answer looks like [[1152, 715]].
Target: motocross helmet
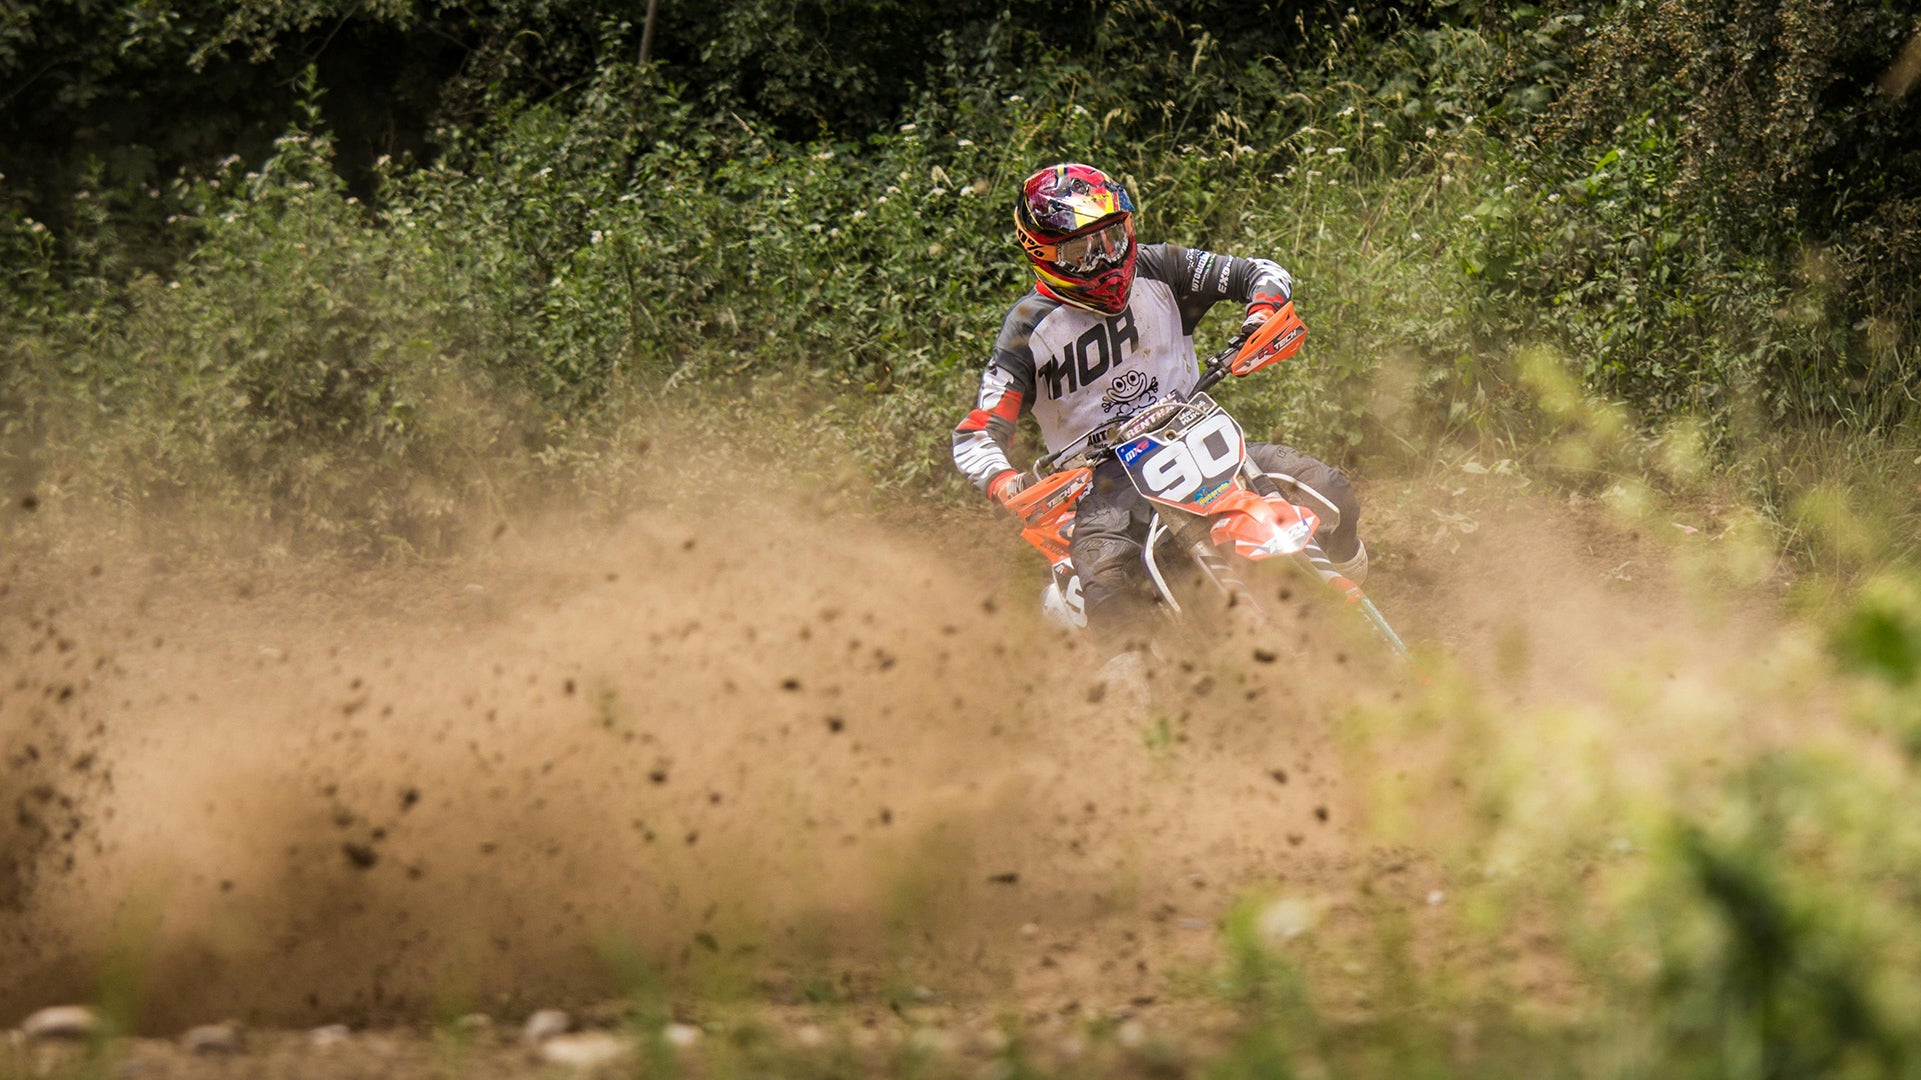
[[1076, 225]]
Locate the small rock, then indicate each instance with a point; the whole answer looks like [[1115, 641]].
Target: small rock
[[474, 1023], [330, 1035], [544, 1024], [1436, 898], [680, 1036], [61, 1022], [213, 1039], [1288, 918], [810, 1036], [585, 1050]]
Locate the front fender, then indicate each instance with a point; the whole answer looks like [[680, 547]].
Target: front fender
[[1257, 528]]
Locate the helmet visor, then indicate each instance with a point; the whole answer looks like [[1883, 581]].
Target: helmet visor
[[1103, 247]]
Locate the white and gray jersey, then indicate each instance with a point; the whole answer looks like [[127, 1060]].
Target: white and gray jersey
[[1076, 370]]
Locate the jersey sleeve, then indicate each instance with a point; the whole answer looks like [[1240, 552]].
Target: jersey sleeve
[[1201, 279], [1006, 391]]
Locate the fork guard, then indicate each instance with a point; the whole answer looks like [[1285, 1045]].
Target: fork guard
[[1257, 527]]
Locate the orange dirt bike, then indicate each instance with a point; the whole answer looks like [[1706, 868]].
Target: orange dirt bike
[[1210, 503]]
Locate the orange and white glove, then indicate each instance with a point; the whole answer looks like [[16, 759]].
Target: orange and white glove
[[1257, 313], [1005, 486]]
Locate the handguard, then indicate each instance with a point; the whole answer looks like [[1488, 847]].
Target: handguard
[[1047, 506], [1277, 339]]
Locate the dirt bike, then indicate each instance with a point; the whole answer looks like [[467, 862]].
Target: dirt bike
[[1188, 458]]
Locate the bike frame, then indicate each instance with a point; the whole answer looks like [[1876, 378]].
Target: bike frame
[[1178, 455]]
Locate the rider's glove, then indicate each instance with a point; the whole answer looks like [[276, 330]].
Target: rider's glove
[[1270, 332], [1257, 313], [1005, 486]]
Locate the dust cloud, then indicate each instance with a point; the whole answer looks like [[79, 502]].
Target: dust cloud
[[743, 739]]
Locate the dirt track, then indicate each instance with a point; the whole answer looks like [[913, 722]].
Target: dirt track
[[844, 766]]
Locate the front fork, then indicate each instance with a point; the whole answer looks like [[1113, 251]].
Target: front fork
[[1311, 558], [1315, 561]]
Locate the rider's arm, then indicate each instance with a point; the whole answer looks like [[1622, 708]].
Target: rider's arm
[[1007, 390], [1201, 279]]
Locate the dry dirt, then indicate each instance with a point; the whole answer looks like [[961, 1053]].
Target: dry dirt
[[773, 758]]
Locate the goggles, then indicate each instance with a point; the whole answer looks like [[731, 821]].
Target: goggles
[[1080, 254]]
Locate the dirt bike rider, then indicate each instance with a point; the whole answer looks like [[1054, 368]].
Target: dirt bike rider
[[1108, 330]]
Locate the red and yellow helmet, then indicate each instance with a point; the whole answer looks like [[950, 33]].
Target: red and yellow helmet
[[1076, 225]]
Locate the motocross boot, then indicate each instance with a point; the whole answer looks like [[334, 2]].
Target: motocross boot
[[1354, 569], [1121, 686]]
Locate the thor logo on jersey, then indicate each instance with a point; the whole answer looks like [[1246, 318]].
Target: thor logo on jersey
[[1091, 356]]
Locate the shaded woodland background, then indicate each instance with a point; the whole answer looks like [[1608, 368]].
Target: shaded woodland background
[[347, 266]]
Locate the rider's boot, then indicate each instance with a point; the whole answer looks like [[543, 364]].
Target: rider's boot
[[1121, 685], [1354, 569]]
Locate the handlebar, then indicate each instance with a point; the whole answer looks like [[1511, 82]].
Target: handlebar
[[1212, 372]]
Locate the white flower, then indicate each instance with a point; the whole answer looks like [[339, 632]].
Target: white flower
[[965, 142], [907, 127], [1349, 111], [1012, 98], [893, 189], [882, 199], [595, 238], [1332, 150], [173, 284], [858, 214], [1555, 197], [1080, 110], [813, 226], [824, 155], [969, 190], [1431, 132], [1246, 149], [1413, 236], [834, 231]]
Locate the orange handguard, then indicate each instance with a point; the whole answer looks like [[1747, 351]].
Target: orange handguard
[[1277, 339], [1047, 506]]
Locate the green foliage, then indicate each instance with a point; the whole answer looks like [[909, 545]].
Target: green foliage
[[1881, 633]]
